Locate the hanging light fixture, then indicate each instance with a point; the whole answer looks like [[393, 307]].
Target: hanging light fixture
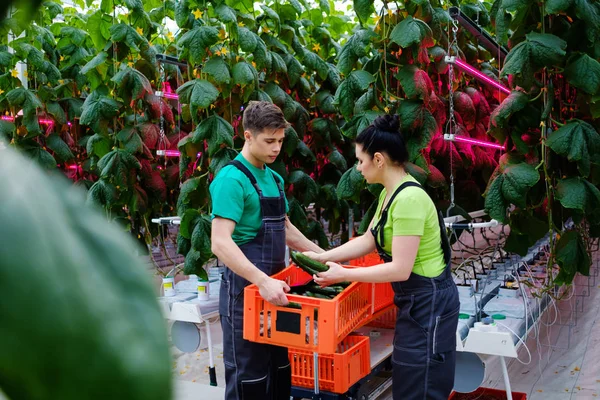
[[475, 73]]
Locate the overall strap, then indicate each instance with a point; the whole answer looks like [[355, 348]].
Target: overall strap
[[246, 171], [384, 213], [445, 242]]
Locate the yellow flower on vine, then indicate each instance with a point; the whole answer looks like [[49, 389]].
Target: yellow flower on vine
[[14, 73], [212, 106], [197, 14], [241, 24], [253, 64], [390, 12], [316, 47], [130, 64], [170, 36], [25, 74], [62, 58], [386, 109], [266, 29], [222, 34], [139, 30], [61, 82], [224, 50], [1, 92], [218, 52]]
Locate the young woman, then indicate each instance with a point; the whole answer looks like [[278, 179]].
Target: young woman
[[410, 237]]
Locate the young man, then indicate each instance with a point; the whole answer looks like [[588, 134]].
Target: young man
[[250, 230]]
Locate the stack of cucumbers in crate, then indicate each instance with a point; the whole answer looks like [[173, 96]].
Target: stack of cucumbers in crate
[[312, 289]]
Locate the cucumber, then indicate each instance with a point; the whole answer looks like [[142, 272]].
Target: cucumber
[[308, 264], [294, 305], [328, 291], [317, 295]]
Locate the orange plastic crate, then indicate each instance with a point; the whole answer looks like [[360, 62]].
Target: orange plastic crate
[[383, 294], [318, 326], [337, 372], [385, 318]]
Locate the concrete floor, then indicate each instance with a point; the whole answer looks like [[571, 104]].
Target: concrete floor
[[565, 349]]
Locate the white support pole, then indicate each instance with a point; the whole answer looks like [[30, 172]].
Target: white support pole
[[506, 380]]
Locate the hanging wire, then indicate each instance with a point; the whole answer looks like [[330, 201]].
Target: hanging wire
[[451, 123]]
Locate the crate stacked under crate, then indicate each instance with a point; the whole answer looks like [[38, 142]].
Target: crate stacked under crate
[[319, 334]]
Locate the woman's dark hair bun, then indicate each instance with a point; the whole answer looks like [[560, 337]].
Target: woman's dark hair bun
[[388, 123]]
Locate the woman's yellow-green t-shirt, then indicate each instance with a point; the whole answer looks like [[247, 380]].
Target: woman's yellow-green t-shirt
[[412, 213]]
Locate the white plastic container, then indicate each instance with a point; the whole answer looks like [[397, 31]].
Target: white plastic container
[[203, 292], [168, 286]]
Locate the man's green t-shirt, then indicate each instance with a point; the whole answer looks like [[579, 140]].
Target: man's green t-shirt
[[234, 197], [412, 213]]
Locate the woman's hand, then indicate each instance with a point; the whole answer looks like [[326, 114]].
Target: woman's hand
[[335, 274], [315, 256]]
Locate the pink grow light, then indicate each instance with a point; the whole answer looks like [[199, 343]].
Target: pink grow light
[[464, 139], [167, 153], [42, 121], [463, 66]]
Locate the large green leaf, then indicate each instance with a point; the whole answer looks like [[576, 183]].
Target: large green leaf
[[195, 42], [415, 82], [337, 159], [94, 62], [247, 39], [350, 185], [510, 184], [218, 69], [537, 51], [192, 195], [116, 165], [499, 118], [364, 9], [583, 72], [61, 150], [578, 193], [98, 145], [588, 11], [305, 187], [351, 88], [557, 6], [517, 180], [102, 193], [133, 85], [358, 123], [367, 218], [294, 69], [28, 101], [412, 31], [291, 141], [216, 131], [128, 35], [131, 140], [244, 74], [99, 28], [577, 140], [189, 220], [355, 48], [572, 257], [220, 159], [225, 13], [98, 109], [199, 94]]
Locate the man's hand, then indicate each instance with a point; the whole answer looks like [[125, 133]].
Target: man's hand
[[335, 274], [314, 256], [273, 291]]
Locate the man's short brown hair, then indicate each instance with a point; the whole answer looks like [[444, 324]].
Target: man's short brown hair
[[262, 115]]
